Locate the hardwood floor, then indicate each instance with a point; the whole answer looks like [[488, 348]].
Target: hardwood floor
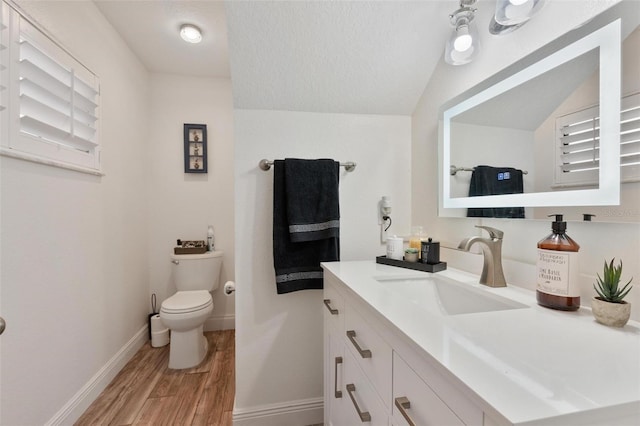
[[147, 392]]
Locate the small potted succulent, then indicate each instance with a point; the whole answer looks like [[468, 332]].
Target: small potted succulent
[[411, 255], [608, 306]]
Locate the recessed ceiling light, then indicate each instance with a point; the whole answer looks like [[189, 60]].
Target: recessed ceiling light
[[190, 33]]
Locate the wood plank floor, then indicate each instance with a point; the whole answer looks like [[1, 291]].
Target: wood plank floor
[[147, 392]]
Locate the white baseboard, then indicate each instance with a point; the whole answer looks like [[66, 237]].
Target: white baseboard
[[78, 404], [291, 413], [221, 322]]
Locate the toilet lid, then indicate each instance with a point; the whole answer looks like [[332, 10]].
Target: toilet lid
[[187, 301]]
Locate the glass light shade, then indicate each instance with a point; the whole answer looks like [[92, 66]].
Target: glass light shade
[[514, 12], [463, 45], [497, 29], [190, 33]]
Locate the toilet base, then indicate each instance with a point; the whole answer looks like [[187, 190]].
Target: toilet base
[[187, 348]]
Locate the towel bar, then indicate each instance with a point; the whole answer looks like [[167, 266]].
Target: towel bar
[[265, 164], [453, 170]]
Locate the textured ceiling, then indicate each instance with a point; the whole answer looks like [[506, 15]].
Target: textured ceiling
[[371, 57], [367, 57], [151, 29], [337, 56]]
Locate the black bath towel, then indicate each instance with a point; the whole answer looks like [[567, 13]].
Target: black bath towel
[[487, 180], [313, 210], [313, 206]]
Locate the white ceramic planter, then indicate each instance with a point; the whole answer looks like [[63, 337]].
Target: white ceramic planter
[[612, 314]]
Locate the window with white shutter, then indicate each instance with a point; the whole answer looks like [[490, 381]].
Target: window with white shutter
[[579, 139], [53, 100], [4, 71]]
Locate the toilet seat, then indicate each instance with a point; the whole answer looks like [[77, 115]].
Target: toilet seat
[[187, 301]]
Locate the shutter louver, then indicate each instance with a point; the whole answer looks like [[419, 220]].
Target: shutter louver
[[55, 105], [4, 73], [630, 134], [3, 61], [580, 138]]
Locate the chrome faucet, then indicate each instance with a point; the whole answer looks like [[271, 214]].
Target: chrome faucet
[[492, 274]]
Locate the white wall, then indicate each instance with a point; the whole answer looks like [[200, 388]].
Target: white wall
[[279, 337], [75, 281], [182, 205], [598, 240]]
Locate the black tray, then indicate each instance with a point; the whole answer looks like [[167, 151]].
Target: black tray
[[425, 267]]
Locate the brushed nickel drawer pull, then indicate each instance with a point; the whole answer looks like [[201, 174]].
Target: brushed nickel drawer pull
[[364, 353], [364, 415], [333, 311], [337, 393], [403, 405]]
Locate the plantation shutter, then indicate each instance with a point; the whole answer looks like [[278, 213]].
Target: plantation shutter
[[579, 143], [54, 102], [4, 71]]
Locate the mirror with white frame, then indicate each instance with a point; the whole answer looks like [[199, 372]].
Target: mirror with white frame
[[551, 127]]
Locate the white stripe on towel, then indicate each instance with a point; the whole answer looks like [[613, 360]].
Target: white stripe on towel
[[294, 276], [314, 226]]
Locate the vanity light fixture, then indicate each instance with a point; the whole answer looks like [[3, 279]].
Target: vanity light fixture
[[515, 12], [463, 44], [190, 33]]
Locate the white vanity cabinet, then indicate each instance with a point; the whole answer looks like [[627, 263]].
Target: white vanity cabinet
[[357, 366], [412, 361], [361, 402], [333, 356], [371, 353], [374, 377], [415, 403]]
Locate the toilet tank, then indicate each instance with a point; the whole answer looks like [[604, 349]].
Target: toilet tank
[[197, 271]]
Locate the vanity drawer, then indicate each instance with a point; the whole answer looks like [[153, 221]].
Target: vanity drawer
[[370, 351], [334, 306], [360, 403], [417, 400]]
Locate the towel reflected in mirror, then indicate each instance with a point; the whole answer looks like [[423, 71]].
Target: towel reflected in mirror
[[488, 180]]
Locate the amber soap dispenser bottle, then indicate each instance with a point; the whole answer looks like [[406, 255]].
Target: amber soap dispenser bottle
[[557, 269]]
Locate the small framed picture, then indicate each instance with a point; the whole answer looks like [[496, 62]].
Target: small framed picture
[[195, 148]]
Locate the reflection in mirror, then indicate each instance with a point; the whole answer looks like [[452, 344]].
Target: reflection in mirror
[[629, 208], [512, 126], [522, 123]]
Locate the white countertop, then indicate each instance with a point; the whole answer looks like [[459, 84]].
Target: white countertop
[[529, 364]]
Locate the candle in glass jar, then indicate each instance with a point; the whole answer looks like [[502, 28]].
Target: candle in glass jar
[[416, 237]]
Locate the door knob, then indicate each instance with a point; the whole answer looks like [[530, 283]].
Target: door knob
[[3, 325]]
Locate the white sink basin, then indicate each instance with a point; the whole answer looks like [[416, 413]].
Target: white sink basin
[[446, 296]]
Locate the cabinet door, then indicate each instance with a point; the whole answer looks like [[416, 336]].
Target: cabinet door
[[371, 351], [333, 351], [361, 405], [414, 402], [334, 381]]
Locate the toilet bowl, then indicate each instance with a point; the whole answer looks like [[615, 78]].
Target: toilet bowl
[[186, 311], [184, 314]]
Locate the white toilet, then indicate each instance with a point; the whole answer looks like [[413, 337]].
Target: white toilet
[[184, 313]]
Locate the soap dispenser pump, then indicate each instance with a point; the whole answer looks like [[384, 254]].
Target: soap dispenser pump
[[557, 269]]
